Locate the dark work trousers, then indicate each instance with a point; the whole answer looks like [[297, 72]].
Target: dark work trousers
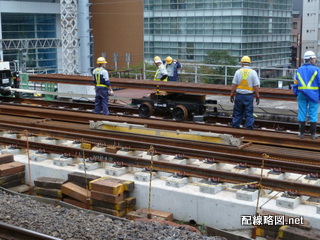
[[243, 108], [101, 100]]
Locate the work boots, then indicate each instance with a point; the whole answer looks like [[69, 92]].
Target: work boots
[[302, 129], [313, 130]]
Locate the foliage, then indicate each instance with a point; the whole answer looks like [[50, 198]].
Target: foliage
[[218, 57]]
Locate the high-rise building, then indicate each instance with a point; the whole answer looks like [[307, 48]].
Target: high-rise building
[[29, 33], [188, 29], [310, 27]]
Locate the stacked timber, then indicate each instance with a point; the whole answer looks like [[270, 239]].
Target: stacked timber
[[49, 187], [12, 173], [75, 191], [112, 196]]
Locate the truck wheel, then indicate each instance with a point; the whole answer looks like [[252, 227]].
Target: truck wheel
[[145, 109], [180, 113]]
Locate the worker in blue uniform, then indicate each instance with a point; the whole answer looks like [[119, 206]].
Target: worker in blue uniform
[[102, 87], [306, 88], [245, 83], [172, 66]]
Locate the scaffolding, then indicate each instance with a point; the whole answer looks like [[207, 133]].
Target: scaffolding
[[69, 36]]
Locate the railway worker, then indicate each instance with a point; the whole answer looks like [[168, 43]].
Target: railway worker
[[172, 66], [161, 73], [102, 87], [245, 83], [306, 88]]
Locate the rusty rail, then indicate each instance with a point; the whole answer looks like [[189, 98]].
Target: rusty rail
[[198, 88]]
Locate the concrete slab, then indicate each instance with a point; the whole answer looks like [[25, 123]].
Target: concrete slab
[[144, 176], [220, 210], [116, 171], [89, 166], [247, 194], [288, 202], [206, 187], [176, 182], [63, 161]]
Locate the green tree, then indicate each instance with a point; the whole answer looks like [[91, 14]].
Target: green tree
[[219, 57]]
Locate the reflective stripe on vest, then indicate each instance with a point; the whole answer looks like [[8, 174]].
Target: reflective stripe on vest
[[97, 75], [155, 76], [244, 82], [304, 86]]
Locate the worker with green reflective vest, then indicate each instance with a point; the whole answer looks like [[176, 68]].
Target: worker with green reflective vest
[[102, 87], [161, 73], [306, 88]]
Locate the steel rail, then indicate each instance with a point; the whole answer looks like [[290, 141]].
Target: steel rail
[[302, 162], [198, 88], [9, 231], [256, 136], [126, 110], [300, 188]]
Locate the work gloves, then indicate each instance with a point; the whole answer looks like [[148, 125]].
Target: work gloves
[[257, 100]]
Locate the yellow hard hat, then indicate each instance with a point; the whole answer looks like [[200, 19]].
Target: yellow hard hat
[[101, 60], [245, 59], [156, 58], [169, 60]]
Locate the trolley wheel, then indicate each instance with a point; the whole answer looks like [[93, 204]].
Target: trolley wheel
[[180, 113], [145, 109]]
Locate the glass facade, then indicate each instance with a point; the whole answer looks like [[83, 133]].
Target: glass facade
[[187, 29], [30, 26]]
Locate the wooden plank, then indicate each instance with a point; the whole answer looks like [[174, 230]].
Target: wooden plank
[[107, 197], [47, 182], [6, 158], [13, 183], [155, 214], [130, 202], [109, 211], [294, 233], [11, 168], [46, 192], [105, 186], [111, 149], [120, 206], [81, 179], [76, 203], [128, 185], [74, 191], [9, 178]]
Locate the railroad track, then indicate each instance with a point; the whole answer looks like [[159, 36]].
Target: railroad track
[[76, 127], [221, 117], [256, 136], [10, 232]]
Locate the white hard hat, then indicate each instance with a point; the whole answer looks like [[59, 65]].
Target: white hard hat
[[158, 61], [309, 55]]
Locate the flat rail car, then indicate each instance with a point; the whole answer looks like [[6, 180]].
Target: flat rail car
[[181, 106]]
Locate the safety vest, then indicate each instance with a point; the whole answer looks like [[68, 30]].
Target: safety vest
[[304, 86], [158, 70], [97, 75], [244, 82]]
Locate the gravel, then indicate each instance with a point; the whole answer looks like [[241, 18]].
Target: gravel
[[76, 224]]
